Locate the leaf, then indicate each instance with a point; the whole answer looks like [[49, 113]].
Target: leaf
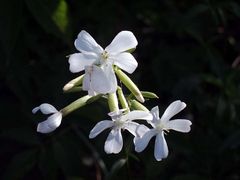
[[20, 165], [235, 8], [66, 154], [10, 23], [51, 15], [47, 164], [189, 177], [60, 16], [231, 142], [22, 135], [116, 167]]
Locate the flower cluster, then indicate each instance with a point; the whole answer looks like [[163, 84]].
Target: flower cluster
[[101, 69]]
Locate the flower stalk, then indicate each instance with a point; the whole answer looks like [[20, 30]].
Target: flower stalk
[[79, 103]]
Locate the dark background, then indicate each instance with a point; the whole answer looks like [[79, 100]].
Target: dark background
[[187, 50]]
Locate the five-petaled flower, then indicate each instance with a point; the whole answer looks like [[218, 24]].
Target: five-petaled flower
[[52, 121], [160, 126], [120, 121], [98, 62]]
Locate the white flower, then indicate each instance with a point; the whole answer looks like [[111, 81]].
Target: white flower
[[160, 125], [114, 142], [52, 121], [97, 62]]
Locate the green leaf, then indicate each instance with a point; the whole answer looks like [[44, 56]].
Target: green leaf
[[22, 135], [51, 15], [10, 23], [189, 177], [116, 167], [60, 16], [20, 165]]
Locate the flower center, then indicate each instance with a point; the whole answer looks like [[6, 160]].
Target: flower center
[[118, 123], [161, 127], [104, 55]]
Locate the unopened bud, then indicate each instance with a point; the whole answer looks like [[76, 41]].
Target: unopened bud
[[137, 105], [130, 85], [75, 82], [148, 94], [113, 102]]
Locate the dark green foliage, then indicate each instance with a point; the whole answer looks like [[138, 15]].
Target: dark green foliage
[[187, 50]]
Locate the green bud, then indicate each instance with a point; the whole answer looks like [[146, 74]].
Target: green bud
[[148, 94], [113, 102], [129, 84], [135, 105], [75, 82], [78, 104], [122, 99]]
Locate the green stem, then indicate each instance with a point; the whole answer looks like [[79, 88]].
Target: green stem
[[79, 103]]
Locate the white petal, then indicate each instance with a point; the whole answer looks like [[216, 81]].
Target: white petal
[[155, 113], [123, 41], [141, 130], [134, 115], [125, 61], [87, 85], [78, 61], [160, 148], [99, 81], [87, 78], [141, 143], [92, 92], [172, 110], [95, 81], [45, 108], [99, 127], [131, 127], [50, 124], [112, 80], [36, 109], [114, 142], [181, 125], [86, 43]]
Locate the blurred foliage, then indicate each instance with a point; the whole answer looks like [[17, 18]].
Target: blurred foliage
[[187, 50]]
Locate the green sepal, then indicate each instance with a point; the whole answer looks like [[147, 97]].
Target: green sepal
[[122, 99]]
